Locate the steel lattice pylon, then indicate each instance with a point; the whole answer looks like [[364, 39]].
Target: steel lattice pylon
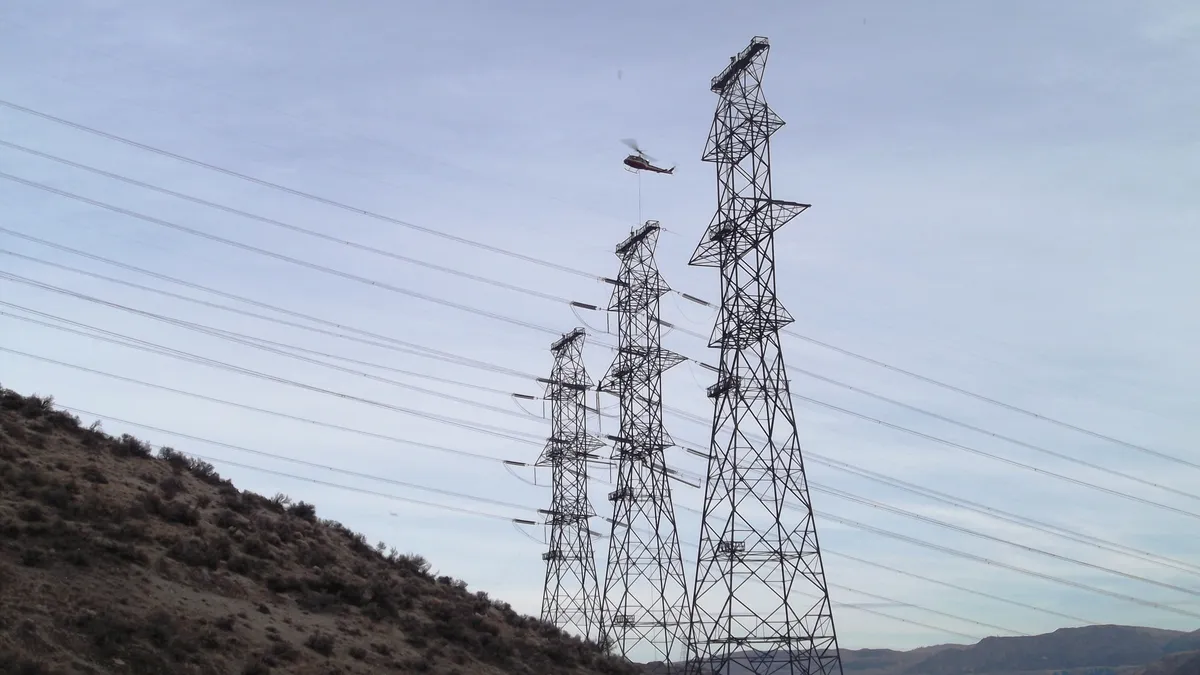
[[645, 592], [760, 602], [570, 599]]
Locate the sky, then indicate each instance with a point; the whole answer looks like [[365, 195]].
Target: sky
[[1003, 199]]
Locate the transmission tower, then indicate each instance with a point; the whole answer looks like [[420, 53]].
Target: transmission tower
[[645, 593], [760, 602], [570, 599]]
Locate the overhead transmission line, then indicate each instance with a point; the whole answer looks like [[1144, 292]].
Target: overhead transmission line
[[238, 338], [571, 270], [968, 505], [977, 429], [850, 387], [981, 559], [988, 561], [862, 473], [559, 268], [275, 255], [855, 524], [853, 497], [409, 500], [1028, 523], [450, 493], [471, 426], [1000, 540], [288, 226], [968, 449], [906, 430], [1006, 516], [471, 512], [301, 462], [1005, 460], [440, 491], [393, 343], [928, 437], [1014, 568], [300, 193], [134, 343], [964, 589]]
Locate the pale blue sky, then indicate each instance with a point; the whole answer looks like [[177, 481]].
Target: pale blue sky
[[1004, 198]]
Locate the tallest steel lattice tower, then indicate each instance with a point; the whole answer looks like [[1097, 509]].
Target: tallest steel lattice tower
[[760, 603]]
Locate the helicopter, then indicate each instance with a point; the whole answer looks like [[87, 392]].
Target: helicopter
[[640, 161]]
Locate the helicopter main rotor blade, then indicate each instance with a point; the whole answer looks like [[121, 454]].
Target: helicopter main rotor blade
[[634, 145]]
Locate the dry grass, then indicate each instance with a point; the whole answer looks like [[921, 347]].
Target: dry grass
[[115, 560]]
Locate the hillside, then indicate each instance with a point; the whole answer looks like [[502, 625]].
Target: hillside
[[113, 561], [1184, 663]]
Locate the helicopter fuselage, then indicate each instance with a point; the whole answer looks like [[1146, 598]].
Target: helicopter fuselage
[[639, 163]]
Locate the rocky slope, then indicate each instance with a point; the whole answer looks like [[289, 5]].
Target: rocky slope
[[114, 560]]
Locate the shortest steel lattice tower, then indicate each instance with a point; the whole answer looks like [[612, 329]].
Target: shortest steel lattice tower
[[645, 594], [570, 598]]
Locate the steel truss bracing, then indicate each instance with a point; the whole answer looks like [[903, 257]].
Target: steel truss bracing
[[645, 592], [760, 601], [570, 599]]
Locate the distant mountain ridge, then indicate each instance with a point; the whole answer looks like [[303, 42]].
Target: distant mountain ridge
[[1088, 650]]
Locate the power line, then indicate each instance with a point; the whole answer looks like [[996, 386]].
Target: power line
[[969, 449], [473, 512], [1014, 568], [1011, 462], [143, 345], [1008, 439], [272, 254], [995, 513], [301, 462], [1007, 406], [931, 610], [977, 429], [844, 495], [213, 399], [193, 324], [912, 514], [982, 535], [301, 193], [893, 617], [958, 390], [473, 402], [880, 531], [964, 589], [980, 559], [1009, 517], [449, 493], [409, 347], [409, 500], [578, 272], [238, 338], [835, 517], [294, 228], [238, 405]]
